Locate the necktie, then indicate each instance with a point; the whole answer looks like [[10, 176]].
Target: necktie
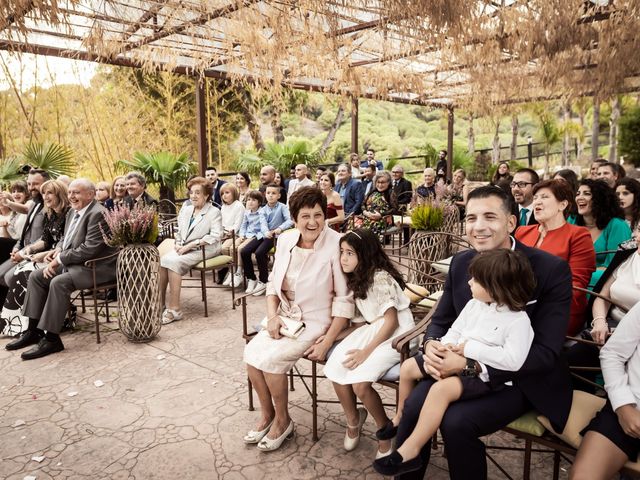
[[395, 183], [71, 232], [523, 216]]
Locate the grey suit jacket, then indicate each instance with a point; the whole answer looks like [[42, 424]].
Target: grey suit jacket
[[32, 231], [87, 243]]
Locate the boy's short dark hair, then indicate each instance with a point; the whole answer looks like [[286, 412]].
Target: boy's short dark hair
[[506, 275], [255, 195]]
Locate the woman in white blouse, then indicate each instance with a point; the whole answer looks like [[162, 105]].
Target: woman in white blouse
[[613, 436], [199, 224]]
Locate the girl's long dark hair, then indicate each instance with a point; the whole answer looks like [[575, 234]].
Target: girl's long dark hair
[[633, 186], [604, 203], [371, 257]]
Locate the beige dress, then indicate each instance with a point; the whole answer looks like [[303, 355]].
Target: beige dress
[[625, 288], [279, 355]]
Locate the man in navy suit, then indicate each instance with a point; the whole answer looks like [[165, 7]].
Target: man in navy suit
[[543, 382], [371, 160], [211, 174], [350, 190]]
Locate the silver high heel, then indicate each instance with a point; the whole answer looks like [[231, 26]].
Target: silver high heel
[[268, 445], [254, 436]]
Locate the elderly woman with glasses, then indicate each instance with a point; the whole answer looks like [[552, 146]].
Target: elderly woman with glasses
[[378, 204]]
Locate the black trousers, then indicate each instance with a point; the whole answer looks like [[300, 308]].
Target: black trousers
[[463, 423], [261, 249]]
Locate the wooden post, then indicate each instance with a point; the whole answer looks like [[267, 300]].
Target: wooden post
[[449, 143], [354, 125], [201, 127]]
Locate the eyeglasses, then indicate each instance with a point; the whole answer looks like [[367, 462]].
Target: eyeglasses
[[520, 184]]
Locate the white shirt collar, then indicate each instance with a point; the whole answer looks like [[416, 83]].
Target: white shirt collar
[[83, 211]]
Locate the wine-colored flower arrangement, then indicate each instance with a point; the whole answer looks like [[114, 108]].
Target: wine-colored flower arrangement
[[126, 226]]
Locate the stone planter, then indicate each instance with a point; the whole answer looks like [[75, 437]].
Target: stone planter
[[137, 273]]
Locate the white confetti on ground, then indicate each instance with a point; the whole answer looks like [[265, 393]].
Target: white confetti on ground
[[98, 383], [72, 394], [38, 459], [19, 423]]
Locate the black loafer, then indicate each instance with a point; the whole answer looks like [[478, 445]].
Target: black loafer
[[392, 465], [28, 337], [387, 432], [45, 347]]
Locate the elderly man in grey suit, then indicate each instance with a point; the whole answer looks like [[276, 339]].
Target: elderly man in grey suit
[[49, 290], [31, 232]]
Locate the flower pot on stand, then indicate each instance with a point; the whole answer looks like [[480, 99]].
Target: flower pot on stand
[[138, 292]]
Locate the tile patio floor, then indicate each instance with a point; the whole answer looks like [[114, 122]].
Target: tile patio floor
[[175, 408]]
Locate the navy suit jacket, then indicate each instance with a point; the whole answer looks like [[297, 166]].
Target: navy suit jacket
[[353, 196], [544, 378], [217, 201]]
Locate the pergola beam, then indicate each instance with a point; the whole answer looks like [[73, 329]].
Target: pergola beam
[[201, 20], [144, 18], [10, 45]]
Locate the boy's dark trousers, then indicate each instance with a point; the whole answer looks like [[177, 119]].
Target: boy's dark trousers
[[261, 248]]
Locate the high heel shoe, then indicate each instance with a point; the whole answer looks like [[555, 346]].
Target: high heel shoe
[[269, 445], [352, 443], [254, 436]]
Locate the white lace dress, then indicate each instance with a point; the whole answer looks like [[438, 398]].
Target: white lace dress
[[383, 294]]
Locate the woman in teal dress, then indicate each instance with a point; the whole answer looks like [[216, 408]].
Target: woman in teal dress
[[600, 212]]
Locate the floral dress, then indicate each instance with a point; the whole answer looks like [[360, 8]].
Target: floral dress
[[375, 203], [11, 319]]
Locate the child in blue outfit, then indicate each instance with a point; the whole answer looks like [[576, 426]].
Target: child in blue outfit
[[278, 220], [253, 227]]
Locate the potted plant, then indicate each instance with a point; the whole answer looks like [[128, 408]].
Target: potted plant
[[134, 232], [428, 219]]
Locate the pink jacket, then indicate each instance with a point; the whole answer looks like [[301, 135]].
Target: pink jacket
[[321, 288]]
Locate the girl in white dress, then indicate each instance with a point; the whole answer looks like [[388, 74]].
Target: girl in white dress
[[366, 353]]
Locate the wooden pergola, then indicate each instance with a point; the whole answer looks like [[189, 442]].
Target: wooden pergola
[[480, 55]]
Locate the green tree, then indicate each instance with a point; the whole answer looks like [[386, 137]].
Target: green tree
[[548, 130], [168, 171], [9, 170], [629, 136]]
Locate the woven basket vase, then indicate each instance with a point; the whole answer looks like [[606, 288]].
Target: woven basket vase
[[138, 292]]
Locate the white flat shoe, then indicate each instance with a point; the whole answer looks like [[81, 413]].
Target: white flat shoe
[[269, 445], [169, 316], [352, 443], [254, 436]]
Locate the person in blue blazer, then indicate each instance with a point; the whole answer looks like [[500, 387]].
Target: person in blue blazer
[[351, 190]]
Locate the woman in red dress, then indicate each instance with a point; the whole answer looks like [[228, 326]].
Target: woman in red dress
[[335, 212], [552, 200]]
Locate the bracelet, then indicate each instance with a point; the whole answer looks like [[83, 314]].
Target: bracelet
[[595, 319], [429, 339]]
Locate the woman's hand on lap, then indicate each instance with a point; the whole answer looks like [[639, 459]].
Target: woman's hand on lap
[[599, 332], [318, 351], [273, 327]]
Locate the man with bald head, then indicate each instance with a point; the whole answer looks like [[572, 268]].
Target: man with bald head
[[268, 177], [49, 289], [301, 179]]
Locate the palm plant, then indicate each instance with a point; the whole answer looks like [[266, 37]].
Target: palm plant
[[56, 159], [9, 170], [168, 171], [282, 156]]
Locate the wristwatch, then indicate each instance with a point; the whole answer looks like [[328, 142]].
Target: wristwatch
[[471, 369]]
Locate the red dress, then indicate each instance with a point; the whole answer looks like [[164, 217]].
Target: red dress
[[573, 244], [332, 212]]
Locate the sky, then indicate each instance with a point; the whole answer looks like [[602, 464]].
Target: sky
[[28, 70]]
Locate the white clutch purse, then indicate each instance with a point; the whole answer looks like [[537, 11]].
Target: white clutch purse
[[292, 328]]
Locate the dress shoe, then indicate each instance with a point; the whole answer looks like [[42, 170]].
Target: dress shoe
[[254, 436], [387, 432], [352, 443], [269, 445], [28, 337], [45, 347], [392, 465]]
